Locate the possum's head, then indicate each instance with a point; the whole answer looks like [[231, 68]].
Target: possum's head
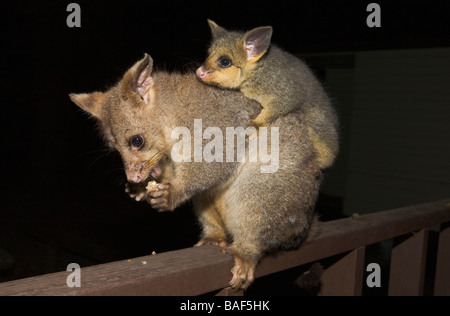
[[126, 117], [232, 55]]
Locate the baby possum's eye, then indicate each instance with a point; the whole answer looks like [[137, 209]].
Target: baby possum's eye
[[137, 141], [224, 62]]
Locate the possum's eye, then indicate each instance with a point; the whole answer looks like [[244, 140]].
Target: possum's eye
[[224, 62], [137, 141]]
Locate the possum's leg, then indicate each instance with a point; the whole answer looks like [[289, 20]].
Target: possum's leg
[[272, 108], [270, 211], [214, 232], [264, 118], [246, 226]]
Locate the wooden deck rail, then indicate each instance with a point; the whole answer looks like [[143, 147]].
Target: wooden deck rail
[[195, 271]]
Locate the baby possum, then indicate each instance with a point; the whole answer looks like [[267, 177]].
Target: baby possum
[[279, 81]]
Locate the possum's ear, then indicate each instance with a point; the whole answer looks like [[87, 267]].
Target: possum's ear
[[142, 79], [257, 41], [89, 102], [216, 30]]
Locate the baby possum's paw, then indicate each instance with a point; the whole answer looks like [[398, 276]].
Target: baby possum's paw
[[160, 197], [136, 191], [255, 123]]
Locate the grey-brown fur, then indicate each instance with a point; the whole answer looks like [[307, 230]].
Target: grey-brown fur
[[279, 81], [247, 212]]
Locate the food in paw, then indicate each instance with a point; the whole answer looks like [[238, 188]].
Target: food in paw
[[152, 186]]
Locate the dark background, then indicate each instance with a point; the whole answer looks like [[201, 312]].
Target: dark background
[[62, 196]]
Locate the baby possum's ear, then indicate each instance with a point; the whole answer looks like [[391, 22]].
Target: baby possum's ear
[[216, 30], [257, 41], [89, 102], [142, 79]]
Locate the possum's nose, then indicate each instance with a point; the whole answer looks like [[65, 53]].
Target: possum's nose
[[134, 178], [202, 72], [135, 173]]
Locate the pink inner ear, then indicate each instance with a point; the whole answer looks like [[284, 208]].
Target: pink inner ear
[[148, 81], [250, 48], [144, 82], [141, 90]]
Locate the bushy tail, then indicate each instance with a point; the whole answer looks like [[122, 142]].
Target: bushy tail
[[323, 132]]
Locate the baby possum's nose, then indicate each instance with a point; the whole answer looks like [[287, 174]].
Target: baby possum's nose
[[202, 72]]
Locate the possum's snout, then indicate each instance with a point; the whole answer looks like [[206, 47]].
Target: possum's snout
[[203, 73], [136, 173]]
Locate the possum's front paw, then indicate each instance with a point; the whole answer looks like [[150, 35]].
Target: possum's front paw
[[160, 198], [136, 191]]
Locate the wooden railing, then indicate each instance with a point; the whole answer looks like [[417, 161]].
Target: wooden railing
[[206, 269]]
